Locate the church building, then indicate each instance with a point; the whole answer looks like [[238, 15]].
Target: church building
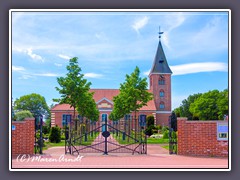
[[159, 107]]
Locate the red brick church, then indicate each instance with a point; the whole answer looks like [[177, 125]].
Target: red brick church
[[159, 107]]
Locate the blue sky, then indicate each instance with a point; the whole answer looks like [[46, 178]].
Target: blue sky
[[110, 45]]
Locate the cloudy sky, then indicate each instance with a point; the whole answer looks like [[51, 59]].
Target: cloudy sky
[[110, 45]]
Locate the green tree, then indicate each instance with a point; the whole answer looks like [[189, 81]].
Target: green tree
[[206, 106], [35, 103], [150, 120], [73, 86], [48, 122], [183, 110], [21, 115], [222, 104], [87, 107], [133, 95], [55, 135]]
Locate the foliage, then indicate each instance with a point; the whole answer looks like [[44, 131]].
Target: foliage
[[48, 123], [45, 129], [212, 105], [55, 135], [165, 128], [87, 107], [183, 110], [149, 130], [35, 103], [133, 95], [166, 134], [21, 115], [75, 91], [150, 120]]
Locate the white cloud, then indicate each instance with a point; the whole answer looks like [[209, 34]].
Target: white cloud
[[172, 22], [47, 74], [64, 56], [93, 75], [146, 73], [196, 68], [58, 65], [25, 76], [140, 23], [18, 68], [35, 57]]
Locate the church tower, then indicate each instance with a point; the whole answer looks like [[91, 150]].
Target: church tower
[[160, 85]]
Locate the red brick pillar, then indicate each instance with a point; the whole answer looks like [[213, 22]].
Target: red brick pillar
[[23, 136], [182, 138]]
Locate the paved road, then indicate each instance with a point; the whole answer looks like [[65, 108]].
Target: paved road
[[157, 157]]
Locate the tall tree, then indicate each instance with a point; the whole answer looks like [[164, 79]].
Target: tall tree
[[183, 110], [35, 103], [73, 86], [133, 95], [87, 107], [222, 104], [211, 105]]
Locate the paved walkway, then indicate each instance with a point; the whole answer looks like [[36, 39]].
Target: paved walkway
[[157, 157]]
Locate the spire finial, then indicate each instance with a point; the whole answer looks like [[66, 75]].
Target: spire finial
[[160, 33]]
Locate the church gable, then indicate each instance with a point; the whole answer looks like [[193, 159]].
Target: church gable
[[104, 103]]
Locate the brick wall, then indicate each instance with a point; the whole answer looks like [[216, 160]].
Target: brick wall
[[199, 138], [23, 136]]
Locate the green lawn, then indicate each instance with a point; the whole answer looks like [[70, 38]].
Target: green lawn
[[89, 141], [49, 144], [128, 140], [166, 147], [157, 141]]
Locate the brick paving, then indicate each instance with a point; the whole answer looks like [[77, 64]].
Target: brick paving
[[157, 157]]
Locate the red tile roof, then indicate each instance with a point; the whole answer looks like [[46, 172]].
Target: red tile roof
[[103, 93]]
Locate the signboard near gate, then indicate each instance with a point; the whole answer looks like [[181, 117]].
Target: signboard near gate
[[222, 131]]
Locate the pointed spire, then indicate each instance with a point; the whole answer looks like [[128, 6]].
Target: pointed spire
[[159, 33], [160, 65]]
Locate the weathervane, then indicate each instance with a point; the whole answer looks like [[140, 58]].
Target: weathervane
[[160, 33]]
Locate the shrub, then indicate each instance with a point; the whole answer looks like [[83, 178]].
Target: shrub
[[55, 135], [165, 128], [149, 130], [166, 134], [62, 137], [150, 121], [195, 118], [21, 115], [45, 129]]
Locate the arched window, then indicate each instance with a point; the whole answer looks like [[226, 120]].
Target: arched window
[[162, 105], [161, 93], [161, 80]]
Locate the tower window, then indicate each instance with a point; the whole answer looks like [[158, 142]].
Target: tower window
[[162, 105], [161, 80], [161, 93]]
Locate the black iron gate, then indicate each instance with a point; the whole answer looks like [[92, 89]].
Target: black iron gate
[[122, 136], [173, 134]]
